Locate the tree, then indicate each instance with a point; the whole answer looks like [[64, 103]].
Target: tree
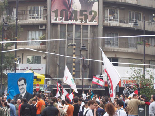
[[146, 84]]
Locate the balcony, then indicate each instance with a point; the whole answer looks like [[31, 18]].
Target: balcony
[[125, 23], [144, 3], [130, 48], [32, 45], [27, 17]]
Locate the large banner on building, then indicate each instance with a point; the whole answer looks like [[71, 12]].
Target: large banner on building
[[20, 85], [83, 12]]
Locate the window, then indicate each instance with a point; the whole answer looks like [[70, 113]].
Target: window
[[111, 42], [152, 41], [34, 35], [35, 12], [152, 62], [132, 42], [112, 15], [114, 60], [134, 16], [34, 59]]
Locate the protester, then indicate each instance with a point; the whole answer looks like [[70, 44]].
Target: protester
[[91, 106], [76, 107], [33, 107], [5, 109], [17, 105], [40, 105], [12, 108], [120, 110], [70, 109], [133, 104], [50, 110], [25, 109], [110, 110], [152, 107]]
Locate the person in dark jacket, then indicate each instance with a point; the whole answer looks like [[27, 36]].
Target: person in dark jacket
[[76, 107], [50, 110], [25, 108], [33, 107]]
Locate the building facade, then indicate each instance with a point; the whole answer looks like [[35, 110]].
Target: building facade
[[120, 18]]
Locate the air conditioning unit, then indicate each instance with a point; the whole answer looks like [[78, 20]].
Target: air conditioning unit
[[42, 27], [48, 82]]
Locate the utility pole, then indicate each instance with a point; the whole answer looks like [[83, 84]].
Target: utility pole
[[100, 34], [16, 32], [144, 47]]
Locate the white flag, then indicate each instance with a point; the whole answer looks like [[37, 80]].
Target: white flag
[[68, 79], [71, 96], [113, 75]]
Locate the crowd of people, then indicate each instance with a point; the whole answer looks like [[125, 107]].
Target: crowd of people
[[82, 105]]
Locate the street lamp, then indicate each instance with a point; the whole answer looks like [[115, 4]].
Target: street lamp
[[136, 24], [4, 27], [83, 53]]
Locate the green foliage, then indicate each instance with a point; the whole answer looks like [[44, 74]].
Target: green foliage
[[146, 84]]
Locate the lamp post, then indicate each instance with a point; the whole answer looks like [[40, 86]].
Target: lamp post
[[16, 32], [4, 27], [83, 53], [144, 46]]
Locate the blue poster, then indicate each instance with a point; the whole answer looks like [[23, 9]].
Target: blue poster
[[20, 85]]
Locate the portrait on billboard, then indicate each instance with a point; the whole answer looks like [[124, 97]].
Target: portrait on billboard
[[20, 85], [74, 11]]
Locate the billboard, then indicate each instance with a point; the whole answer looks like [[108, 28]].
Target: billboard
[[83, 12], [20, 85]]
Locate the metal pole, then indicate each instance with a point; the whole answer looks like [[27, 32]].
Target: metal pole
[[82, 73], [2, 54], [16, 32], [144, 48]]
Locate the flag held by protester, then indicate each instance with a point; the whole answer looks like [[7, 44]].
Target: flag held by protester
[[113, 75], [68, 79], [97, 81]]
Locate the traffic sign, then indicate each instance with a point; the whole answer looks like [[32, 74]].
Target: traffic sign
[[37, 87]]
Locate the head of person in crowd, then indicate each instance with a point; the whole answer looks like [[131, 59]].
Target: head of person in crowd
[[18, 101], [38, 97], [30, 102], [34, 101], [67, 101], [126, 97], [54, 99], [24, 100], [59, 99], [142, 97], [6, 105], [50, 102], [96, 105], [119, 104], [86, 104], [122, 96], [151, 100], [94, 98], [75, 100], [110, 109], [135, 96], [63, 102], [12, 102], [9, 100], [91, 104], [80, 101]]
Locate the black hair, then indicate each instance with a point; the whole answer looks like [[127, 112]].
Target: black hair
[[120, 103], [39, 95], [153, 97], [20, 79], [63, 102], [34, 100], [67, 100], [6, 104], [24, 100], [75, 100]]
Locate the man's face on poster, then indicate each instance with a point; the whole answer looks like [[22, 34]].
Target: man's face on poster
[[22, 86]]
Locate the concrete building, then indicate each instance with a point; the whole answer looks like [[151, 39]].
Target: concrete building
[[120, 18]]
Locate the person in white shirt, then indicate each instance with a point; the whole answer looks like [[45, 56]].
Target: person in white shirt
[[152, 106], [120, 110], [91, 106]]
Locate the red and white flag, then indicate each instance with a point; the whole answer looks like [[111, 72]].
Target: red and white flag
[[70, 97], [135, 92], [97, 81], [68, 79], [113, 75], [64, 94], [58, 89]]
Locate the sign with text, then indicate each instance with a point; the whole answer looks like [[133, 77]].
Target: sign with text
[[83, 12]]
